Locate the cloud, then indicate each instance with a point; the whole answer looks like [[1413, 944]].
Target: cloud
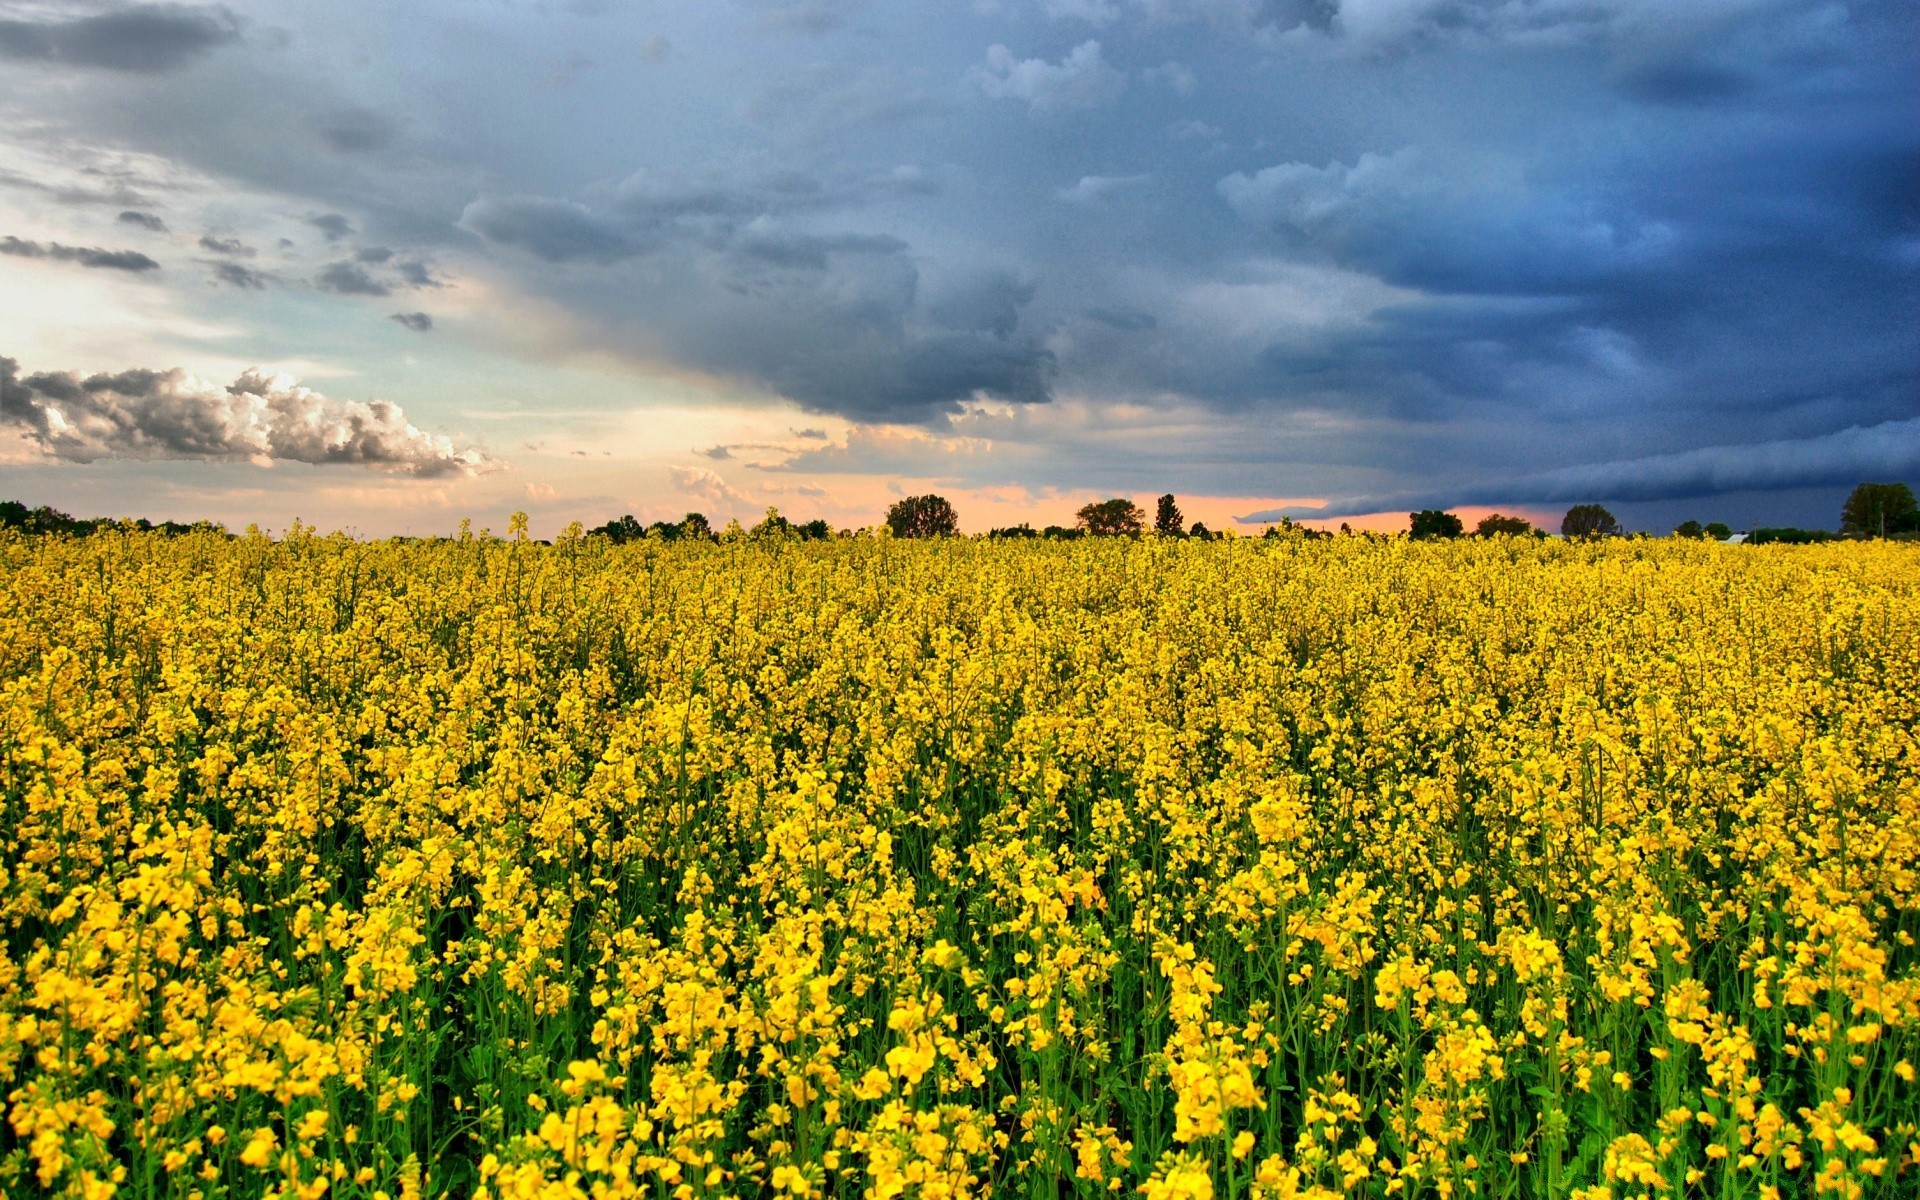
[[138, 38], [233, 246], [333, 225], [983, 302], [235, 275], [144, 414], [415, 273], [1081, 80], [345, 278], [806, 16], [1888, 450], [86, 256], [419, 322], [1093, 12], [1130, 320], [553, 230], [372, 254], [355, 131], [144, 220], [1455, 226], [1175, 75], [1098, 189], [703, 484]]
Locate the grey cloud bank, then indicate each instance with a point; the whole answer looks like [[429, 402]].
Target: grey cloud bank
[[86, 256], [135, 37], [1889, 450]]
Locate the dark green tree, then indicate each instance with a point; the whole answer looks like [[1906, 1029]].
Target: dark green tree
[[1117, 517], [1690, 529], [1588, 521], [1431, 523], [696, 525], [1878, 509], [621, 529], [1496, 525], [923, 517], [1719, 531], [1167, 519]]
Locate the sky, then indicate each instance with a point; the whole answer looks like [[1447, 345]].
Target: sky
[[382, 266]]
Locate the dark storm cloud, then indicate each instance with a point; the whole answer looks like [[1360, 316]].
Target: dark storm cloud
[[415, 273], [1443, 228], [419, 322], [552, 230], [916, 379], [144, 220], [145, 414], [333, 225], [372, 254], [136, 38], [355, 131], [1131, 320], [86, 256], [987, 302], [234, 274], [349, 279], [1889, 450]]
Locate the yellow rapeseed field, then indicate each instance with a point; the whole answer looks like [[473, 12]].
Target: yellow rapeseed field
[[1352, 867]]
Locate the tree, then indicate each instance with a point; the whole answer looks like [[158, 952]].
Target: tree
[[695, 525], [1589, 520], [1201, 531], [1495, 525], [923, 517], [1167, 520], [624, 529], [1690, 529], [1430, 523], [1878, 509], [1788, 536], [1112, 518], [1719, 531]]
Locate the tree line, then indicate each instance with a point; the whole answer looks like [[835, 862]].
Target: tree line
[[1872, 510]]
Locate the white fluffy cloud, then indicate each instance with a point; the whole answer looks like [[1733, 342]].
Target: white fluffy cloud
[[1082, 80], [144, 414]]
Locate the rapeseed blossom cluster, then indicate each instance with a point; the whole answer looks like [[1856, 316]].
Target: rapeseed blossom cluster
[[1281, 868]]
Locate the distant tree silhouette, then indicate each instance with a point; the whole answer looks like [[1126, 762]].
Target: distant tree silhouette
[[923, 517], [1167, 520], [1690, 529], [1719, 531], [1495, 525], [1112, 518], [696, 525], [1431, 523], [621, 529], [1788, 536], [1201, 532], [1022, 530], [1589, 520], [1878, 509]]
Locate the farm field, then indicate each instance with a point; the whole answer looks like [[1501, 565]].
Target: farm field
[[874, 868]]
